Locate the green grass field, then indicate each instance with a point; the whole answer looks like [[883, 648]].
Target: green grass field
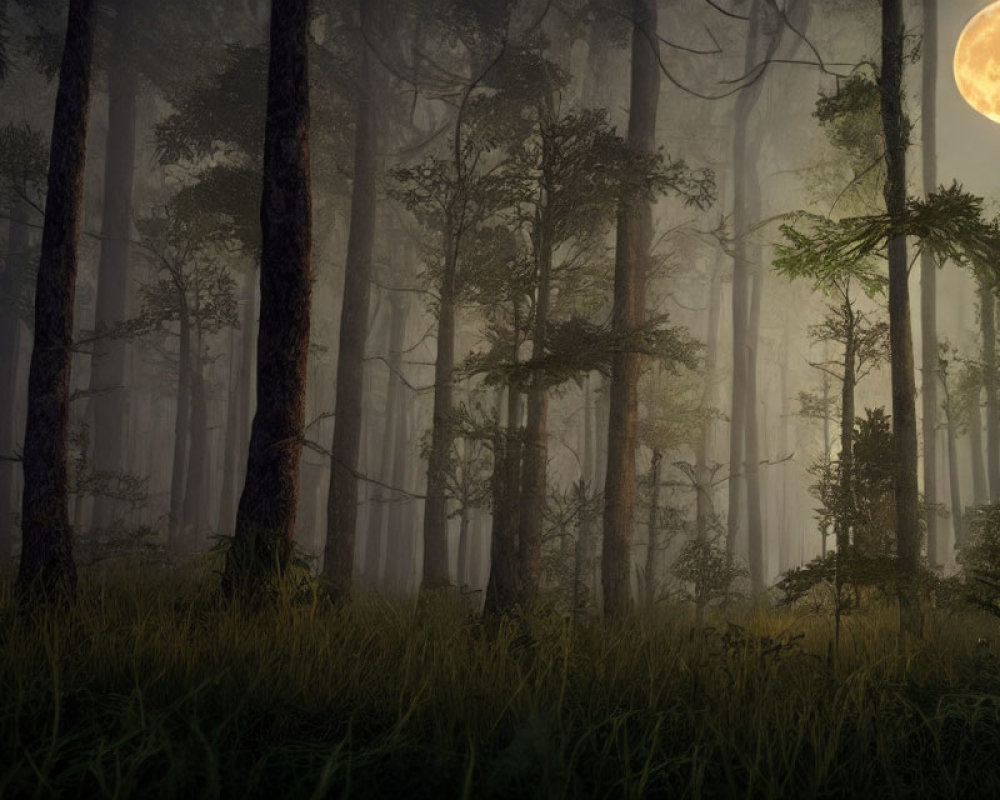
[[149, 689]]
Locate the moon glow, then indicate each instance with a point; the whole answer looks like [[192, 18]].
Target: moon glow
[[977, 62]]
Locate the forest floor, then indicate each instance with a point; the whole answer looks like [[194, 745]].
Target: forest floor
[[148, 688]]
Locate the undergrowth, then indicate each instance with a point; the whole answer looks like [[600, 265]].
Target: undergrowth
[[150, 688]]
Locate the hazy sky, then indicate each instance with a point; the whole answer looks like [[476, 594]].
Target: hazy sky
[[968, 143]]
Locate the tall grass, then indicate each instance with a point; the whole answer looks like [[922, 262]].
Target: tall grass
[[149, 688]]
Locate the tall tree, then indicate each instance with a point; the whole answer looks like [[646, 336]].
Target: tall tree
[[632, 243], [265, 518], [928, 279], [342, 501], [108, 365], [904, 419], [47, 565]]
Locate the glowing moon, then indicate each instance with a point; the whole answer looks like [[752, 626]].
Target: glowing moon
[[977, 62]]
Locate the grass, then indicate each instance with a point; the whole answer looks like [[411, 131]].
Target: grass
[[148, 688]]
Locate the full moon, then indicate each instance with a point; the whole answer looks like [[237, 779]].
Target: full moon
[[977, 62]]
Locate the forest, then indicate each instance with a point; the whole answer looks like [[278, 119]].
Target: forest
[[497, 399]]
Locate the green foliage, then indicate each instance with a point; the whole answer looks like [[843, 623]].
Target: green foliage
[[979, 557], [710, 571]]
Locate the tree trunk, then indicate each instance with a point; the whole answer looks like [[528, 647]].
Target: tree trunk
[[435, 568], [10, 356], [904, 417], [987, 311], [46, 566], [632, 243], [109, 362], [704, 510], [182, 421], [956, 490], [342, 502], [652, 544], [502, 588], [928, 279], [197, 457], [265, 519], [533, 489], [980, 491], [755, 527], [846, 511]]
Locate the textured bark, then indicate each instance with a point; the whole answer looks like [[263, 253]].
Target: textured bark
[[633, 236], [755, 530], [987, 312], [954, 485], [10, 358], [46, 566], [109, 402], [904, 418], [342, 501], [265, 518], [928, 279]]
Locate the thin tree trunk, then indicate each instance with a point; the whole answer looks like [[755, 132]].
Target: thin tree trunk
[[956, 490], [109, 363], [634, 233], [502, 588], [46, 566], [987, 310], [224, 518], [928, 279], [704, 510], [265, 519], [652, 543], [182, 421], [755, 529], [847, 412], [10, 357], [197, 456], [901, 344], [342, 503], [980, 491], [435, 568]]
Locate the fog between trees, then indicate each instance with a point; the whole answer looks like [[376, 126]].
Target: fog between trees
[[585, 302]]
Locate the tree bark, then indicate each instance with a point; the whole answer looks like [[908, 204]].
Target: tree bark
[[434, 574], [265, 519], [980, 491], [843, 530], [182, 421], [904, 417], [503, 587], [10, 358], [634, 233], [652, 543], [342, 502], [46, 567], [928, 279], [987, 311], [197, 452]]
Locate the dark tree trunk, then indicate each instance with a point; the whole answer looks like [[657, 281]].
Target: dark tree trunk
[[846, 515], [502, 588], [904, 418], [952, 433], [652, 543], [755, 527], [704, 510], [631, 255], [108, 365], [342, 502], [195, 491], [987, 312], [928, 279], [229, 445], [10, 358], [533, 489], [435, 569], [980, 491], [265, 519], [46, 566], [182, 421]]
